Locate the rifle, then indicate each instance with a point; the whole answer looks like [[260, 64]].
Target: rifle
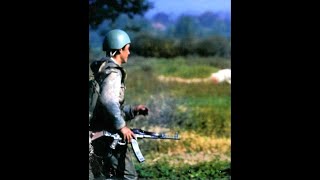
[[117, 139]]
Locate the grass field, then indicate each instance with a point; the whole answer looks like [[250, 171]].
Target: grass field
[[200, 112]]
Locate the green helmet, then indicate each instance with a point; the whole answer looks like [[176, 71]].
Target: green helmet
[[115, 39]]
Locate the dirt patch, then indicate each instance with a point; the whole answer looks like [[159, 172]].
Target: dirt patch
[[183, 80]]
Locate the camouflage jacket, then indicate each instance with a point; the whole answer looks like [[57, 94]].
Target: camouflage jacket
[[111, 113]]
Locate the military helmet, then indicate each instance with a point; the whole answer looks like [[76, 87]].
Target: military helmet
[[115, 39]]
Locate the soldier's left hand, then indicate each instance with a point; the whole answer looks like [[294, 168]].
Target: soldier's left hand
[[141, 110]]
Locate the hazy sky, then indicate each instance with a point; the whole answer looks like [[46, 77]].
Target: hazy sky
[[176, 7]]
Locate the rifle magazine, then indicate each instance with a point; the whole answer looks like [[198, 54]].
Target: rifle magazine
[[137, 151]]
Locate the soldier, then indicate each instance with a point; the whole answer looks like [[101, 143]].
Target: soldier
[[110, 113]]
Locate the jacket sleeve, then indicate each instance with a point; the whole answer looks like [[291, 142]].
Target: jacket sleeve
[[128, 112], [110, 90]]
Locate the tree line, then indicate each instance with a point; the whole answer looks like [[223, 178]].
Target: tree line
[[207, 34]]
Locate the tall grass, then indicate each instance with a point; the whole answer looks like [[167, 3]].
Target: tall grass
[[203, 107], [203, 171], [200, 112], [203, 148], [186, 67]]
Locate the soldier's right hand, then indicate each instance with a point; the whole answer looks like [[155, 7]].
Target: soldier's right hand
[[127, 134]]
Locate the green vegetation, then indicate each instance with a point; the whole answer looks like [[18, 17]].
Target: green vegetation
[[203, 107], [100, 10], [207, 170], [179, 67], [203, 35], [149, 45], [200, 112]]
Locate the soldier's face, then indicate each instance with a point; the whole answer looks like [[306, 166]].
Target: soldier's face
[[124, 53]]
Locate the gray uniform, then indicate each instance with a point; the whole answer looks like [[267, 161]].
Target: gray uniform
[[111, 115]]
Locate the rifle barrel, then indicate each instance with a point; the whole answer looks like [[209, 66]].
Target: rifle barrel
[[161, 136]]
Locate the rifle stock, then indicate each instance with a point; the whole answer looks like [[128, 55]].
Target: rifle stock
[[96, 135]]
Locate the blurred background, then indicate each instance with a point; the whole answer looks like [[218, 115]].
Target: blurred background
[[176, 46]]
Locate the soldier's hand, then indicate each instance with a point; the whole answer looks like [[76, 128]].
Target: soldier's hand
[[141, 110], [127, 134]]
